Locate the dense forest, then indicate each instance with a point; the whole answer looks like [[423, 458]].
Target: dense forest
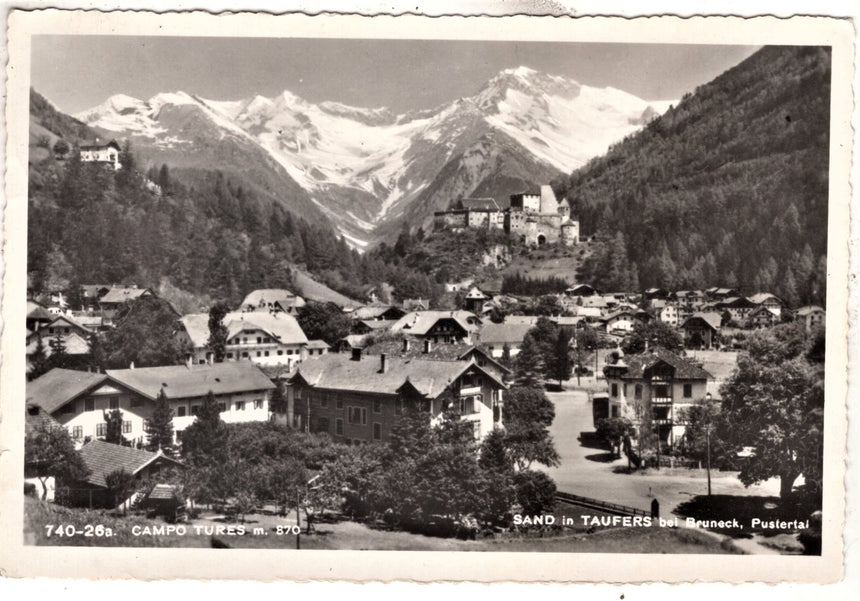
[[728, 188]]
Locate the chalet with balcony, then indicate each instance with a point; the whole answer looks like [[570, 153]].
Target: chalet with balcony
[[358, 398], [701, 330], [117, 297], [739, 308], [96, 152], [762, 317], [769, 301], [655, 387], [441, 327]]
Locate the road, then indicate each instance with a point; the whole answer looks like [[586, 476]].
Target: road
[[589, 471]]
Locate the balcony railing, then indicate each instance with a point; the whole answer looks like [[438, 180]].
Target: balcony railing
[[470, 390], [661, 400]]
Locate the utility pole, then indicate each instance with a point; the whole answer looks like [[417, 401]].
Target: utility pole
[[708, 446]]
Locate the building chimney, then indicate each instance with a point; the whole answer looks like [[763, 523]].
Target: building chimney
[[383, 363], [406, 345], [356, 354], [428, 346]]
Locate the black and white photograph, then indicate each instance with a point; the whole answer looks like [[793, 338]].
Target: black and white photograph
[[488, 294]]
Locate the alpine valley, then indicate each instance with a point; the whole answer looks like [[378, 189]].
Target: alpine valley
[[367, 170]]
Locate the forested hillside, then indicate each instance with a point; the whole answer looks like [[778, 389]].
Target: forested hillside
[[204, 234], [728, 188]]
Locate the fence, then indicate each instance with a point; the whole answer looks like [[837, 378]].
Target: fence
[[611, 508]]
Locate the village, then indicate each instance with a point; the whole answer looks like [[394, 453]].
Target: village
[[354, 371]]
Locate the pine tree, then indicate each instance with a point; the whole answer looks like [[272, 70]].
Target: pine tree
[[218, 331], [559, 364], [38, 360], [159, 426], [529, 364], [113, 429], [59, 357]]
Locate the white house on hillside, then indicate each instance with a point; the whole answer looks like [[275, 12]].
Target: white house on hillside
[[262, 337]]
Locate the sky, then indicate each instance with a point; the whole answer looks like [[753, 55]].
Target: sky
[[79, 72]]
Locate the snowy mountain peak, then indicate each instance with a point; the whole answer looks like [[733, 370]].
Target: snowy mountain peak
[[365, 168]]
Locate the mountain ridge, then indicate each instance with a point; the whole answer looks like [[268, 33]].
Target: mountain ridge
[[366, 169]]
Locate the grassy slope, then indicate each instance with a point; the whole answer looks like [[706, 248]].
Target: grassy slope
[[552, 261], [310, 289]]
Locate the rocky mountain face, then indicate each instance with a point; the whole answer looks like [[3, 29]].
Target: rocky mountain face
[[368, 170]]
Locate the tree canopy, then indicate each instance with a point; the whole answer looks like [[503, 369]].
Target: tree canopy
[[144, 335], [774, 403]]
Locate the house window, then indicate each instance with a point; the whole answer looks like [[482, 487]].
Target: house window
[[323, 424], [195, 409], [69, 408], [280, 353], [229, 355], [258, 353], [467, 405], [259, 340], [265, 353], [377, 431], [126, 427], [338, 427], [688, 391], [240, 405], [398, 407], [245, 354], [101, 429], [323, 399], [89, 404], [180, 411], [625, 389], [377, 406], [136, 401], [289, 352], [267, 339], [339, 403], [637, 391], [244, 341], [357, 415], [258, 403], [77, 432], [661, 391], [615, 390], [114, 402]]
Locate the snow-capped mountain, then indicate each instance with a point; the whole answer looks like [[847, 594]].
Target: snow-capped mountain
[[368, 169]]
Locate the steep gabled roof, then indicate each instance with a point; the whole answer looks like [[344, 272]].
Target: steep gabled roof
[[338, 371], [281, 326], [420, 322], [121, 295], [266, 297], [181, 381], [712, 319], [803, 311], [59, 386], [760, 297], [638, 365], [102, 458]]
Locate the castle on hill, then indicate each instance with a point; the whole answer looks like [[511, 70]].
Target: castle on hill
[[535, 215]]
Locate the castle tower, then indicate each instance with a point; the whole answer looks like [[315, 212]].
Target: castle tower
[[564, 209], [548, 201], [570, 232]]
